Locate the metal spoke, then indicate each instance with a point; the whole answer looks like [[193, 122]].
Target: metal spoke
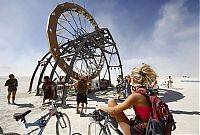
[[74, 19], [66, 30], [62, 37], [80, 21], [68, 22]]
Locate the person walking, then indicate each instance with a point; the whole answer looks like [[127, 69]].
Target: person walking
[[12, 84]]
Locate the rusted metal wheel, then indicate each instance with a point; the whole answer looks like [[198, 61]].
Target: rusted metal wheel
[[69, 26]]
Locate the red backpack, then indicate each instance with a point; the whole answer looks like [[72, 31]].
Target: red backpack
[[161, 119]]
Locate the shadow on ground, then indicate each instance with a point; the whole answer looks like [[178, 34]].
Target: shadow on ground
[[102, 96], [169, 95], [185, 112], [29, 105]]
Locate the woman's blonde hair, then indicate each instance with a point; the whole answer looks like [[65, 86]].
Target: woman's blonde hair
[[143, 75]]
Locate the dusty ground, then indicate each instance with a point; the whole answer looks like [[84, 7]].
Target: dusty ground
[[183, 101]]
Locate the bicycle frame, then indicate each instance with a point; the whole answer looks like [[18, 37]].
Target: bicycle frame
[[41, 122], [62, 120]]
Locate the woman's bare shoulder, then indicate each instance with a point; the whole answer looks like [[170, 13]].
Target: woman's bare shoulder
[[135, 98], [136, 95]]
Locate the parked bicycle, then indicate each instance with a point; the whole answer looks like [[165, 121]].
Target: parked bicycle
[[102, 124], [63, 125]]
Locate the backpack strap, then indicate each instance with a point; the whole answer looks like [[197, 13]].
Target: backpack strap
[[142, 91], [153, 106]]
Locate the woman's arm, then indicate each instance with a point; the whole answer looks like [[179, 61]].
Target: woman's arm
[[129, 102]]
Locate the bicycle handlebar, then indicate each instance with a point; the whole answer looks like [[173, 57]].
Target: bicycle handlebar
[[51, 102], [98, 115]]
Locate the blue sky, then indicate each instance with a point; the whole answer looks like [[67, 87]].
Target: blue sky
[[164, 33]]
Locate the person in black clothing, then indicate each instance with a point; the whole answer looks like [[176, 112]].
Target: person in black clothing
[[12, 84]]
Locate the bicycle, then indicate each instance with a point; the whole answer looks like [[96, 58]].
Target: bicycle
[[63, 125], [103, 124]]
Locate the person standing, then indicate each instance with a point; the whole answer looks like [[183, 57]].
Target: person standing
[[127, 86], [119, 86], [82, 91], [48, 88], [12, 84], [169, 82]]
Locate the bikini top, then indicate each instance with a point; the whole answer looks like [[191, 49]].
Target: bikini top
[[143, 112]]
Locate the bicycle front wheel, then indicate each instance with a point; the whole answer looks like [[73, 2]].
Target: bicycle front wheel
[[98, 129], [63, 126]]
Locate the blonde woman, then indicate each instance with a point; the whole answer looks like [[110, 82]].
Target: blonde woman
[[142, 78]]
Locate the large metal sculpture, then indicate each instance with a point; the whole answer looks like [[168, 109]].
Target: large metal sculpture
[[77, 47]]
